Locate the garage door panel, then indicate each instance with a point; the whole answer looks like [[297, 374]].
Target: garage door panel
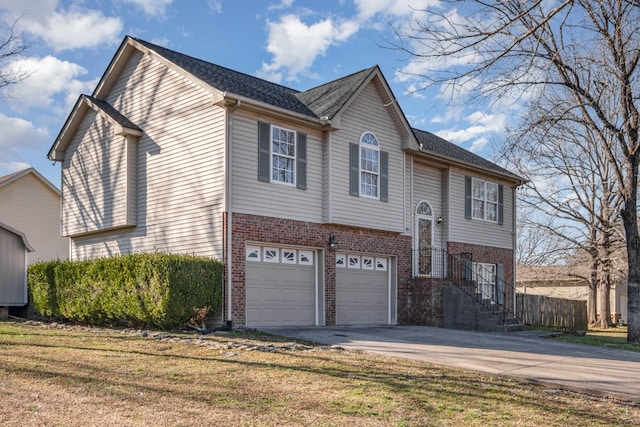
[[362, 295], [279, 294]]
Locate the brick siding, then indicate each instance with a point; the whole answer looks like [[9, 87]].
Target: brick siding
[[255, 228]]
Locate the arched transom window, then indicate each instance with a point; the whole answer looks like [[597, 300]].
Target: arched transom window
[[423, 208], [369, 164]]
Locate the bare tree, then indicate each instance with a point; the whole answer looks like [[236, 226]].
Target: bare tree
[[585, 52], [11, 47], [572, 190]]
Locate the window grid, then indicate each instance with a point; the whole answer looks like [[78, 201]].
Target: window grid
[[369, 165], [485, 277], [485, 200], [283, 154]]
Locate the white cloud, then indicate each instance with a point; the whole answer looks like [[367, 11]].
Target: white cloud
[[284, 4], [295, 45], [62, 29], [9, 167], [215, 6], [48, 77], [18, 134], [155, 8], [481, 126], [367, 9]]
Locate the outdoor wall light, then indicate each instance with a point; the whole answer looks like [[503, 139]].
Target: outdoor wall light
[[333, 243], [439, 220]]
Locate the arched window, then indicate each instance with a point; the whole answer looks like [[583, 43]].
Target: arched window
[[424, 208], [369, 164]]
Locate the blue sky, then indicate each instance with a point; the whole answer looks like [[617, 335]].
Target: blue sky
[[296, 43]]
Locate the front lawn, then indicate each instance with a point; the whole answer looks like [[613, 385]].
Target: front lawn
[[70, 376], [610, 337]]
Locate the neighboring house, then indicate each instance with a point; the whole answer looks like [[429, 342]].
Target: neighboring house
[[31, 204], [14, 250], [325, 205], [570, 283]]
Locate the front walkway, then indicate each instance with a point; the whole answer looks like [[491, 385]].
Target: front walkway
[[524, 355]]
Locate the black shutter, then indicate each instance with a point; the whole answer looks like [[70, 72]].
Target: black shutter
[[500, 205], [467, 197], [264, 152], [354, 169], [384, 176], [301, 161]]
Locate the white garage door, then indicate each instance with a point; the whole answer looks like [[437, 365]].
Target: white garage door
[[362, 290], [280, 286]]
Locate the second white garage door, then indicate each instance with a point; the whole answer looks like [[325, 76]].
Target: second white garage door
[[362, 290], [281, 286]]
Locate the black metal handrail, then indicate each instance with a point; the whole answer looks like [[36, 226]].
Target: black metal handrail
[[460, 271]]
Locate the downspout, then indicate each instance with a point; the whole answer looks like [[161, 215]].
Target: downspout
[[515, 247], [227, 207]]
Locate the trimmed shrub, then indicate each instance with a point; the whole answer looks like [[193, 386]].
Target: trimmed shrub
[[156, 289]]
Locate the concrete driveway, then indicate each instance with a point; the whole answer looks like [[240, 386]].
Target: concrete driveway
[[524, 355]]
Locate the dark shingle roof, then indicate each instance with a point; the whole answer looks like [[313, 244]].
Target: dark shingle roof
[[112, 112], [329, 98], [324, 100], [434, 144], [235, 82]]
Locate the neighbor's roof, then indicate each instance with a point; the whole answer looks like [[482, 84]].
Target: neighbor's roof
[[19, 234], [13, 177]]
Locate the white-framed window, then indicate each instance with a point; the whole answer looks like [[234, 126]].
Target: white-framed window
[[271, 255], [484, 200], [354, 261], [305, 257], [367, 263], [341, 260], [369, 165], [485, 276], [289, 256], [381, 264], [252, 253], [283, 155]]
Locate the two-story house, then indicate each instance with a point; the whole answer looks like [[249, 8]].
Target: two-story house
[[325, 205]]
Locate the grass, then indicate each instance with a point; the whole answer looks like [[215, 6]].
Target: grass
[[67, 376], [610, 337]]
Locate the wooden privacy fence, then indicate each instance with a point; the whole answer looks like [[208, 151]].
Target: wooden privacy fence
[[538, 310]]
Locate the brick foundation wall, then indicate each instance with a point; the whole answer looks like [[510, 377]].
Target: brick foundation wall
[[490, 255], [280, 231]]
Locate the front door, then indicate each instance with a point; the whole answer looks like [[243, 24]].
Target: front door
[[424, 239]]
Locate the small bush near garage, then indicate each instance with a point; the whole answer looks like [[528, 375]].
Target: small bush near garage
[[159, 290]]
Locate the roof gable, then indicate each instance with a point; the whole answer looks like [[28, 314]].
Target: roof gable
[[226, 81], [13, 177], [123, 125], [328, 99]]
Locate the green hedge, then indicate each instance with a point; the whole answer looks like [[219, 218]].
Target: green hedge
[[157, 289]]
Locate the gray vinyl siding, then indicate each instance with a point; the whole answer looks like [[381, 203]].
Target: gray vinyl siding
[[94, 179], [13, 286], [367, 114], [272, 199], [180, 166], [31, 206], [428, 187], [477, 231]]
